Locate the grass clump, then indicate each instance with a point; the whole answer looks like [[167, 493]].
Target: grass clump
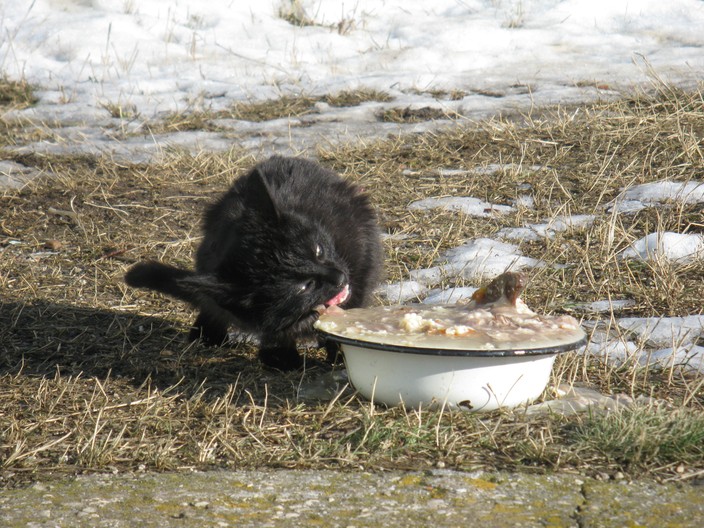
[[16, 94], [641, 436], [356, 97], [285, 106], [293, 12], [121, 111], [450, 95], [183, 122], [412, 115]]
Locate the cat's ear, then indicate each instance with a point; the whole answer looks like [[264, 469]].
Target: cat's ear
[[261, 197]]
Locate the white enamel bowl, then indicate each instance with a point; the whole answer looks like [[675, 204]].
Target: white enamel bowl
[[503, 360], [476, 380]]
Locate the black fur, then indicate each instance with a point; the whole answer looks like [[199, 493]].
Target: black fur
[[286, 238]]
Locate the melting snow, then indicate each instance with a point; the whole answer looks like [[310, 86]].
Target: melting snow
[[677, 247], [465, 204], [646, 195], [664, 331], [558, 224]]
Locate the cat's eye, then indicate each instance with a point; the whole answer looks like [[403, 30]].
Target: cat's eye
[[306, 286], [318, 251]]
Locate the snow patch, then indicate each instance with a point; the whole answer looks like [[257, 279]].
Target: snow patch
[[547, 229], [645, 195], [690, 356], [485, 258], [465, 204], [400, 292], [676, 247], [664, 331], [450, 295], [602, 344]]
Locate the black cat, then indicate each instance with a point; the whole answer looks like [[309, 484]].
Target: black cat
[[287, 239]]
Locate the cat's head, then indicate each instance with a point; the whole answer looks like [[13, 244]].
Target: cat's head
[[279, 269], [286, 270]]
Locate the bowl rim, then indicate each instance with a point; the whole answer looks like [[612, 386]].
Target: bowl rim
[[433, 351]]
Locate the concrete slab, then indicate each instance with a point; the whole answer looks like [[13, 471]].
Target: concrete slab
[[273, 498]]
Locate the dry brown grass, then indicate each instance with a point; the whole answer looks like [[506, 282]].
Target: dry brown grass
[[295, 14], [16, 95], [413, 115], [96, 377], [286, 106], [301, 105]]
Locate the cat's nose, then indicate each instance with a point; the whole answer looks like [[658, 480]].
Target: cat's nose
[[337, 277]]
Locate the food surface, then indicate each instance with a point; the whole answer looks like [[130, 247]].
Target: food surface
[[495, 319]]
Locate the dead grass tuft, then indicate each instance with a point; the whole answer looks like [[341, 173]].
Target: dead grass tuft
[[451, 95], [293, 12], [413, 115], [357, 97], [286, 106], [642, 436], [16, 94]]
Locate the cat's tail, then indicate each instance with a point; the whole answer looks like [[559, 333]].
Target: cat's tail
[[163, 278]]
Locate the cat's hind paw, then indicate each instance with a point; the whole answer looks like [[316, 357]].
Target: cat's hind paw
[[282, 358]]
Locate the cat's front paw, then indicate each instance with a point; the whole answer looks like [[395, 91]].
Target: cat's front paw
[[211, 339], [284, 358], [209, 330]]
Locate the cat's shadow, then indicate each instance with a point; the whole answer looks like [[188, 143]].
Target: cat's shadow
[[41, 338]]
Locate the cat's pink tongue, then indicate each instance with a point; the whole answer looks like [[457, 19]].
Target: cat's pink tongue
[[340, 297]]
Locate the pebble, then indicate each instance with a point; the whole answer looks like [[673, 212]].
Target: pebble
[[53, 245]]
